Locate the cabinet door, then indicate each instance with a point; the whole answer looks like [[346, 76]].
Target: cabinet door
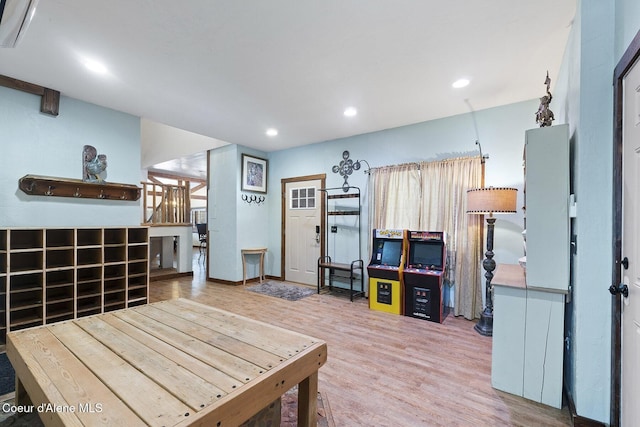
[[547, 204], [507, 359], [543, 347]]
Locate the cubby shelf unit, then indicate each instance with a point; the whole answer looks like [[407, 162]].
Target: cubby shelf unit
[[53, 274]]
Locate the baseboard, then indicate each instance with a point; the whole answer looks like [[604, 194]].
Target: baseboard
[[577, 420], [168, 276]]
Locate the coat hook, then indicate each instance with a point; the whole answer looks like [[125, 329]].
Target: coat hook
[[49, 192], [253, 199]]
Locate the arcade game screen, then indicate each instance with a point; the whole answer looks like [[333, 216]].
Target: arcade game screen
[[425, 255], [391, 252]]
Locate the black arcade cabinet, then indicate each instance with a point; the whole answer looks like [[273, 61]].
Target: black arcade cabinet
[[424, 275]]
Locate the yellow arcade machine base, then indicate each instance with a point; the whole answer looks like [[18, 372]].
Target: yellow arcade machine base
[[386, 295]]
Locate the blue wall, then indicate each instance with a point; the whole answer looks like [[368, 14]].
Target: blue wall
[[501, 133], [40, 144], [601, 33], [233, 223]]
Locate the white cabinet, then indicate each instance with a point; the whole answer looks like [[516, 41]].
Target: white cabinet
[[547, 207], [528, 317]]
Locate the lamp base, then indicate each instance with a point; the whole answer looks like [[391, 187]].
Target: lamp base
[[485, 324]]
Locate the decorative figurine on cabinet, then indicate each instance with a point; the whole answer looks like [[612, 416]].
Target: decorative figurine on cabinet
[[544, 116], [94, 165]]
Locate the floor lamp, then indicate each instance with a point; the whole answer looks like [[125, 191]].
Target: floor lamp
[[482, 201]]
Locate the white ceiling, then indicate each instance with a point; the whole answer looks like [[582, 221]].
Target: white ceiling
[[231, 69]]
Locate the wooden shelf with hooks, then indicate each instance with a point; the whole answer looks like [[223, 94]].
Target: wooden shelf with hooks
[[66, 187]]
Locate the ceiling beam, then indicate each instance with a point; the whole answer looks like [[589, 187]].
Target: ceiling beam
[[49, 98], [175, 177]]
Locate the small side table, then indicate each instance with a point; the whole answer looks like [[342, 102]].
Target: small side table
[[252, 251]]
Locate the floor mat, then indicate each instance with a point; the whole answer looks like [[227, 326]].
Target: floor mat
[[283, 290]]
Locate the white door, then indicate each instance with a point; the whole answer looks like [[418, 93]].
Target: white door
[[630, 411], [302, 243]]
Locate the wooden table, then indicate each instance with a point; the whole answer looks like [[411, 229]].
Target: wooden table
[[253, 251], [171, 363]]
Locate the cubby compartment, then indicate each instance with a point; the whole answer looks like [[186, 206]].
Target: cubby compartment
[[56, 294], [114, 272], [25, 239], [3, 304], [88, 276], [25, 317], [89, 237], [58, 311], [60, 238], [59, 278], [25, 282], [3, 262], [115, 253], [138, 235], [140, 252], [89, 305], [89, 256], [25, 261], [115, 278], [114, 300], [139, 268], [26, 299], [57, 258], [115, 236], [137, 294], [3, 240]]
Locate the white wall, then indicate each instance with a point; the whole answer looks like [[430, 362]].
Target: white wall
[[41, 144], [161, 143]]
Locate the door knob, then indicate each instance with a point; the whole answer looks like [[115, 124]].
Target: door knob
[[620, 289], [625, 263]]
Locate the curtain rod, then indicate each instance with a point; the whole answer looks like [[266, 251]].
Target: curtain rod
[[450, 159]]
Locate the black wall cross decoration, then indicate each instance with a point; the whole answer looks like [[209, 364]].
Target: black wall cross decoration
[[346, 168]]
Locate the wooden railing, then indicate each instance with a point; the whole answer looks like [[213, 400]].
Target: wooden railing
[[165, 203]]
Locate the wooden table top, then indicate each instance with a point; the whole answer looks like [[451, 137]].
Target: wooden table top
[[171, 363]]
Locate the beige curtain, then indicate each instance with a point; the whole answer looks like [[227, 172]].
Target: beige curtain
[[432, 196], [444, 187], [395, 195]]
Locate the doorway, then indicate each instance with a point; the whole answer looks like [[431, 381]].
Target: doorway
[[302, 228], [625, 376]]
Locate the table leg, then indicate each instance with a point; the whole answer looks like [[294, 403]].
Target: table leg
[[21, 396], [244, 271], [308, 401], [261, 266]]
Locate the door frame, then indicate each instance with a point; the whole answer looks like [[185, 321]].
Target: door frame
[[630, 56], [283, 208]]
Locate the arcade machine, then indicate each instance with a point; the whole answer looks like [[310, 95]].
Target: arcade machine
[[385, 271], [424, 275]]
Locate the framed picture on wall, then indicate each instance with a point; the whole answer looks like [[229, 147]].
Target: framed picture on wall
[[254, 174]]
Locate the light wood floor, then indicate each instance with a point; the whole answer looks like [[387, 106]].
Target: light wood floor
[[384, 369]]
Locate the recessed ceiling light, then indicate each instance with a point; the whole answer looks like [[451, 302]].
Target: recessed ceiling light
[[95, 66], [272, 132], [460, 83], [350, 112]]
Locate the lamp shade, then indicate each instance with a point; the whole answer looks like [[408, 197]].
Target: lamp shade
[[491, 200]]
